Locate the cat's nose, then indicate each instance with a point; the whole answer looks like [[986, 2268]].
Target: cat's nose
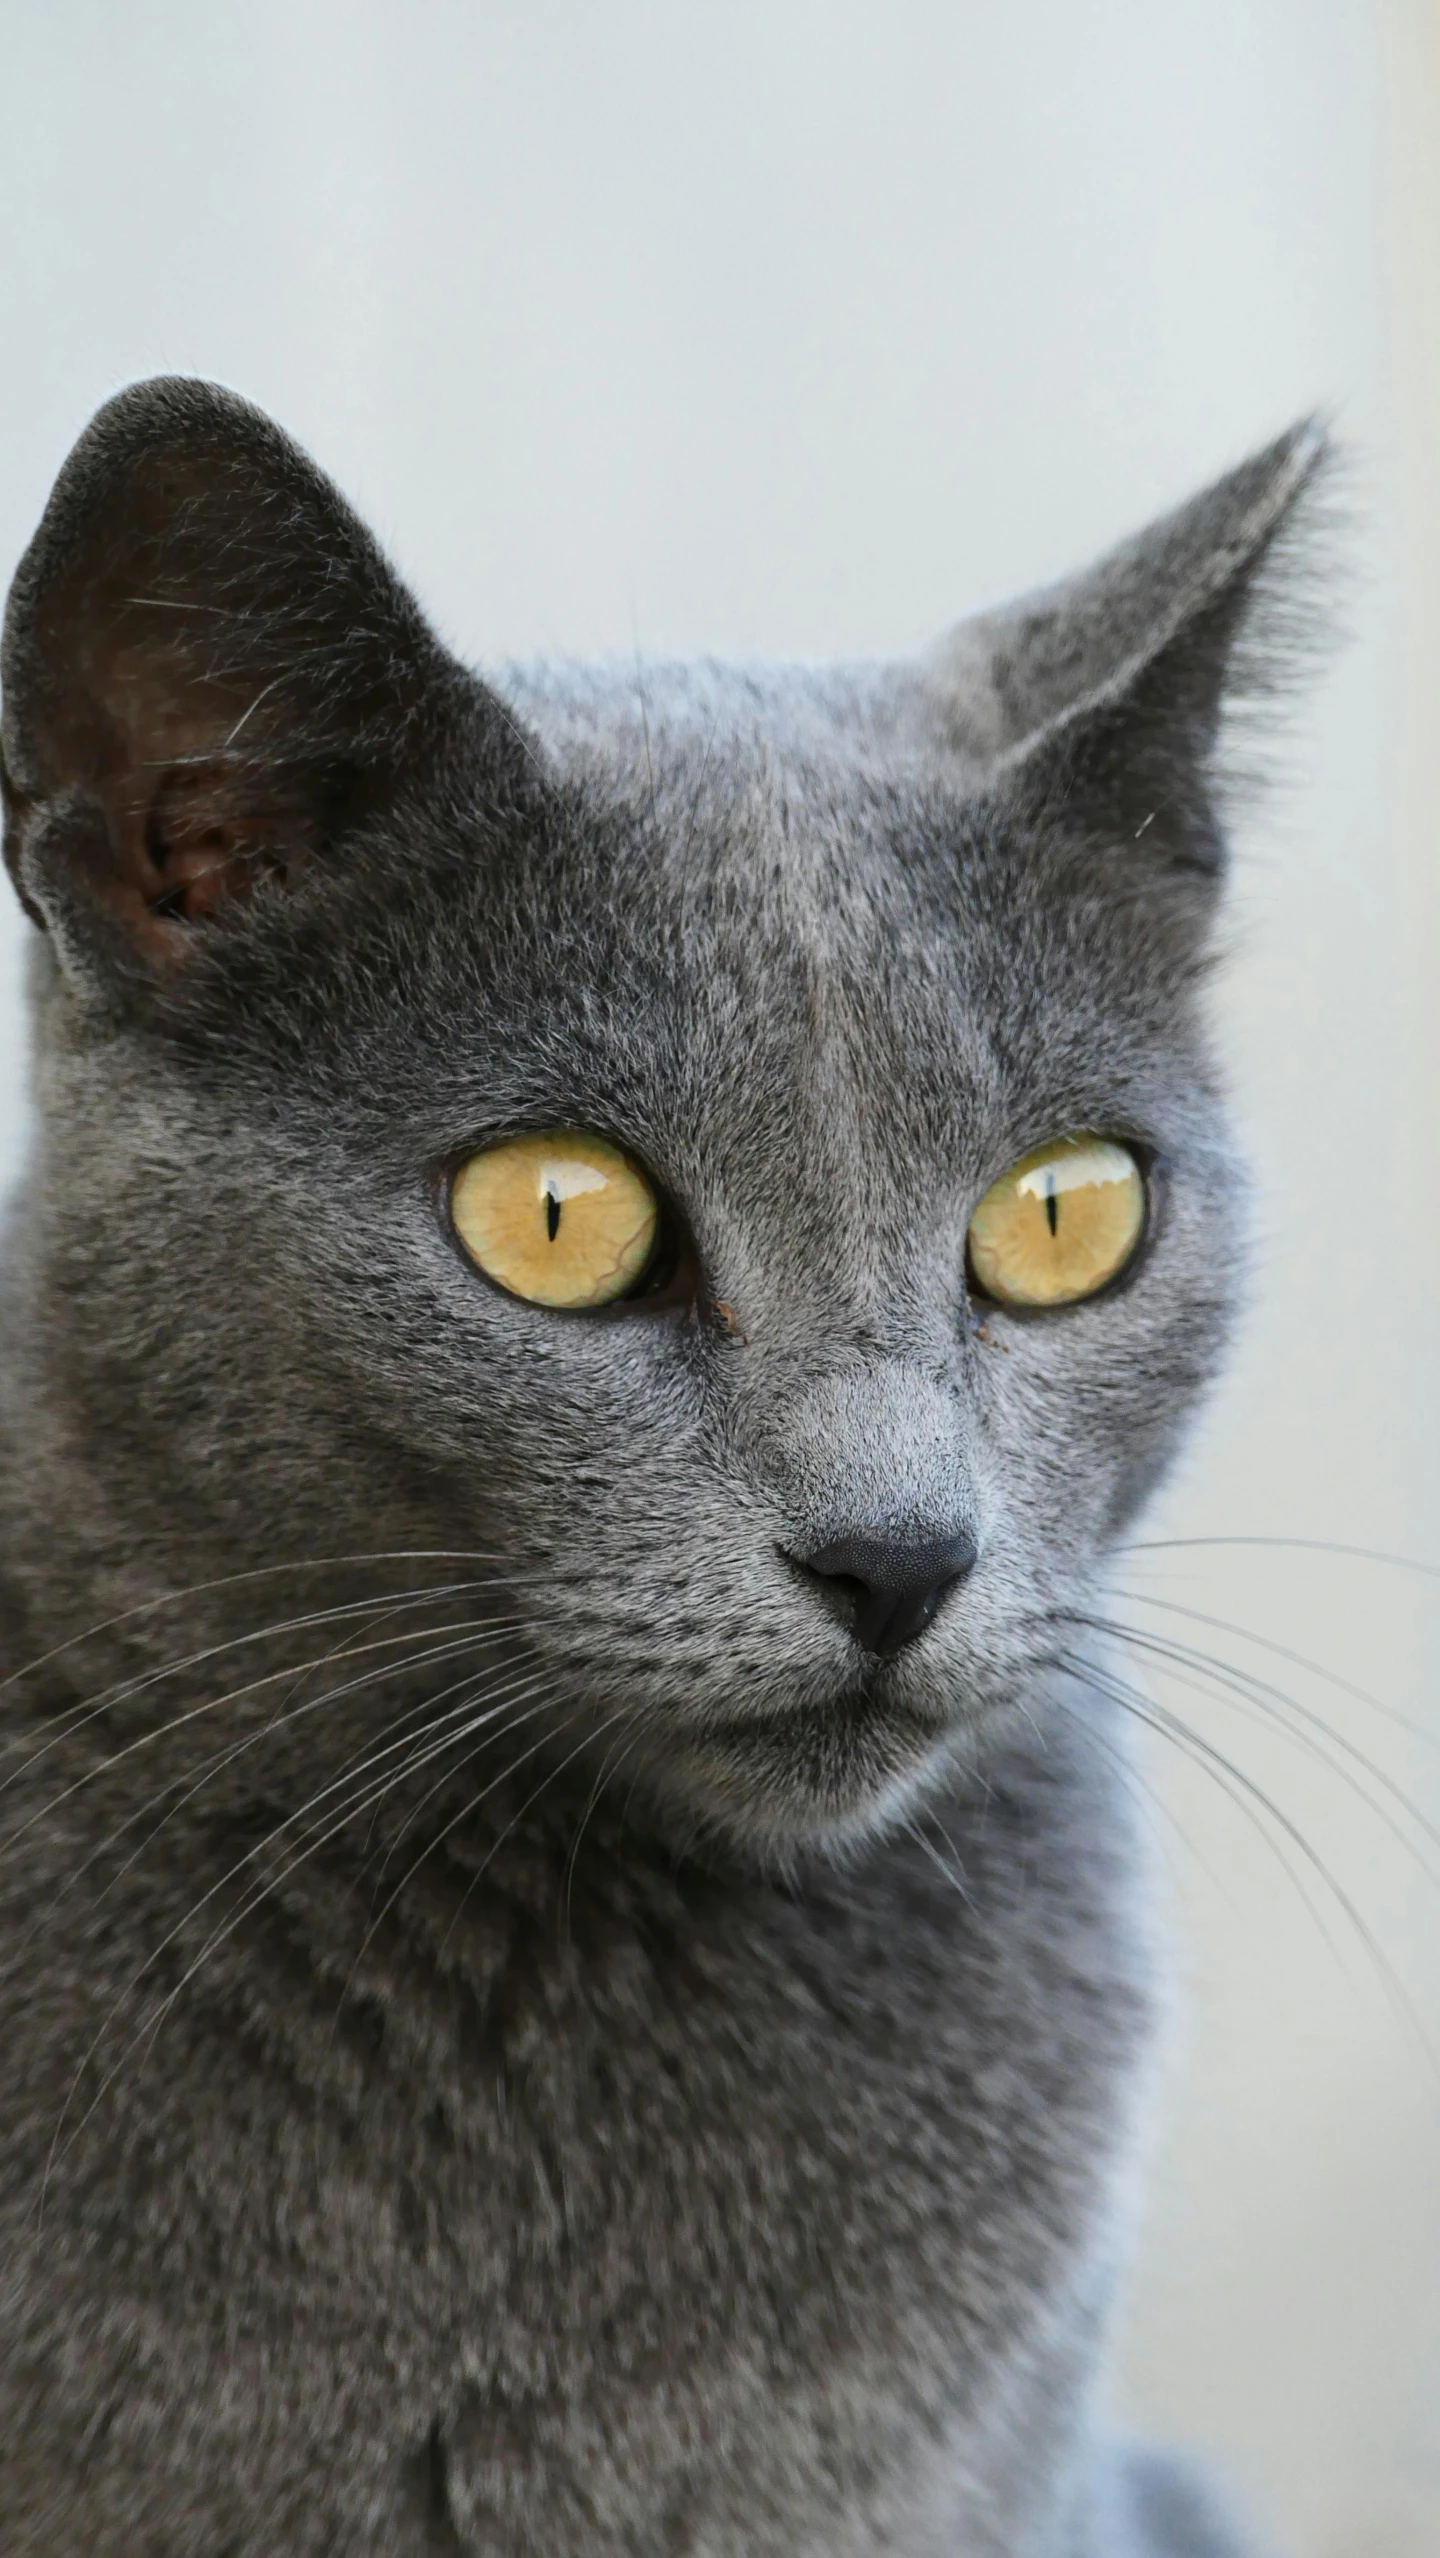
[[891, 1586]]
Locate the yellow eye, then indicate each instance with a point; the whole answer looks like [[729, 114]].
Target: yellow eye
[[1058, 1224], [560, 1219]]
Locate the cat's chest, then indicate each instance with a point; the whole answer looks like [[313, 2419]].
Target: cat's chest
[[734, 2200], [741, 2106], [688, 2198]]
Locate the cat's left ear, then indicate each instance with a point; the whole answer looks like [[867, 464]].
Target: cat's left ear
[[1098, 705], [211, 676]]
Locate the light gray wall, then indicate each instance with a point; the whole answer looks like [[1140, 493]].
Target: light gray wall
[[806, 325]]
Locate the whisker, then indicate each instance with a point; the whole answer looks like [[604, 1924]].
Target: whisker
[[412, 1769], [216, 1765], [1283, 1652], [351, 1810], [354, 1772], [1228, 1678], [551, 1776], [1163, 1719], [122, 1692], [165, 1731], [355, 1809], [1231, 1781], [609, 1767], [235, 1580], [468, 1808], [1139, 1786], [427, 1746], [953, 1874], [1293, 1545]]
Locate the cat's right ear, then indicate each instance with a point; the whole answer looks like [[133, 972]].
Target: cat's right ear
[[210, 676]]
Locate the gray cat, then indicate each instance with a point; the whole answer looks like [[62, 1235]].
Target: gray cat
[[605, 1262]]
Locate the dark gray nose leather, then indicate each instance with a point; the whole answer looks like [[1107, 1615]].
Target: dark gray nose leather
[[893, 1586]]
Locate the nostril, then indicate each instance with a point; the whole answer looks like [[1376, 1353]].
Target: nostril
[[894, 1563], [892, 1585]]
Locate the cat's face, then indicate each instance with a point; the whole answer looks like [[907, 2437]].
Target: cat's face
[[822, 958]]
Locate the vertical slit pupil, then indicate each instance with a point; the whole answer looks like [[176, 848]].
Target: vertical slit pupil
[[552, 1215], [1052, 1203]]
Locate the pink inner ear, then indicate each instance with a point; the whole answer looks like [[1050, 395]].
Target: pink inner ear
[[206, 836], [207, 840]]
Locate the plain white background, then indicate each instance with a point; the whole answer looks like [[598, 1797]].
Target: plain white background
[[791, 327]]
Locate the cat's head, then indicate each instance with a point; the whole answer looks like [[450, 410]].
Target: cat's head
[[789, 1421]]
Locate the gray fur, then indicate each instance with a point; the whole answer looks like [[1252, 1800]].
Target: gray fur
[[693, 2113]]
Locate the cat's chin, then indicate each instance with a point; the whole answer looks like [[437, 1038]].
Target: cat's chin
[[778, 1787]]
